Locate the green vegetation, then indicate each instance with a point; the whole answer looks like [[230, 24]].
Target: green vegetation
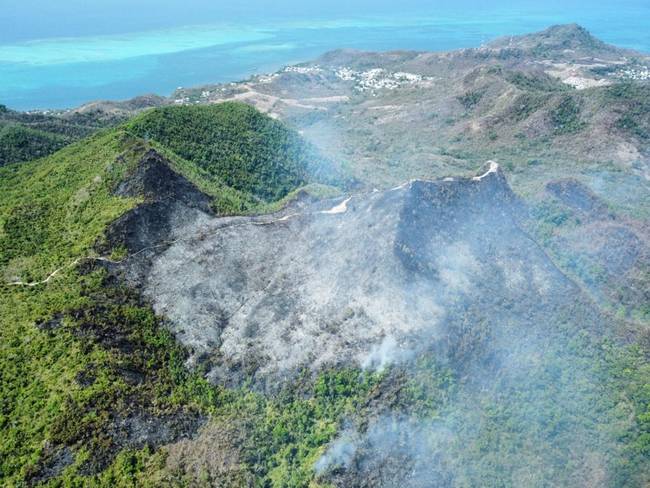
[[565, 117], [20, 143], [27, 136], [314, 191], [470, 99], [524, 106], [634, 101], [51, 212], [55, 209], [248, 151], [535, 82]]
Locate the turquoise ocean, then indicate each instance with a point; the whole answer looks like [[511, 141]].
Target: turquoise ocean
[[66, 71]]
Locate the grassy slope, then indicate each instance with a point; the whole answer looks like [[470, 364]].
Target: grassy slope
[[51, 212]]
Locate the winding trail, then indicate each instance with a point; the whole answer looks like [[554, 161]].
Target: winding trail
[[337, 209]]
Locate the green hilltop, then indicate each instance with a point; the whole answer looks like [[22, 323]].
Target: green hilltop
[[56, 208], [248, 151]]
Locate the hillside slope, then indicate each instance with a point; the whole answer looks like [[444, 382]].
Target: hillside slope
[[382, 372], [89, 377], [27, 136], [177, 309], [551, 106], [434, 278]]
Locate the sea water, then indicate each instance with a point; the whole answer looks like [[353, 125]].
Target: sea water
[[60, 72]]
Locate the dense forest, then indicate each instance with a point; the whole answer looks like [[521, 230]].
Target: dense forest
[[27, 136]]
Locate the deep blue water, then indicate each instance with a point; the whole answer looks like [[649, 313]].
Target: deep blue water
[[52, 72]]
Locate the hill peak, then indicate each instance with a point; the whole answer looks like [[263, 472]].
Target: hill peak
[[556, 37]]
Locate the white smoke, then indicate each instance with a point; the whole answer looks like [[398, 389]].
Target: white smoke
[[388, 352], [391, 447], [339, 454]]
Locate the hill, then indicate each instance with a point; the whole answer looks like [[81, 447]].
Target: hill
[[27, 136], [114, 400], [436, 293], [552, 106], [564, 39], [177, 309], [85, 364], [245, 149]]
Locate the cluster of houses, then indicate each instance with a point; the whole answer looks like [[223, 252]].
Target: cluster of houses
[[636, 73], [370, 81], [378, 79], [364, 81], [303, 70]]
